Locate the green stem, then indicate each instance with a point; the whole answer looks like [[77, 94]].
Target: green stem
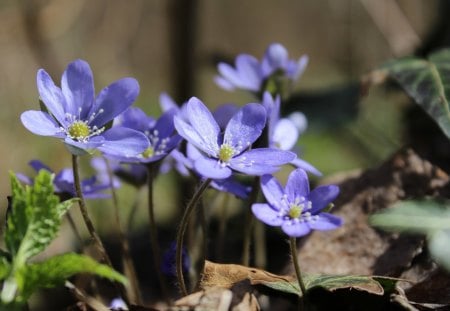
[[129, 268], [249, 223], [87, 220], [154, 235], [298, 273], [182, 229]]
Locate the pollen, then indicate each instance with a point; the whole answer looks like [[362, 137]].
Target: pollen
[[148, 153], [226, 152], [295, 211], [79, 130]]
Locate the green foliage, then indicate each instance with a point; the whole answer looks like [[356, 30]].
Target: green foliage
[[427, 82], [428, 217], [369, 284], [34, 219]]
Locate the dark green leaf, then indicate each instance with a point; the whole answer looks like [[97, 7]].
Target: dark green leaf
[[427, 82], [56, 270]]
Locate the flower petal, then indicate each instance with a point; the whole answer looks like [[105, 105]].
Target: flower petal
[[211, 168], [275, 57], [261, 161], [166, 102], [77, 85], [266, 214], [40, 123], [122, 141], [245, 126], [321, 196], [52, 96], [113, 100], [224, 113], [229, 74], [136, 119], [164, 125], [38, 165], [295, 229], [273, 191], [81, 148], [249, 71], [232, 186], [189, 133], [203, 122], [297, 185], [224, 83], [326, 222], [285, 135]]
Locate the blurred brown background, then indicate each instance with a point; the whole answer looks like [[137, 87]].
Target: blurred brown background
[[173, 46]]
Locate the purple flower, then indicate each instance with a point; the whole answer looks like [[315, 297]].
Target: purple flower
[[64, 185], [250, 74], [79, 118], [283, 133], [295, 208], [160, 133], [227, 152]]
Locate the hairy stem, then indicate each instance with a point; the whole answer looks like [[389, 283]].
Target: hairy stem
[[298, 272], [180, 234], [87, 220]]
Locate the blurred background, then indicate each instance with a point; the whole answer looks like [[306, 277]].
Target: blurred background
[[175, 45]]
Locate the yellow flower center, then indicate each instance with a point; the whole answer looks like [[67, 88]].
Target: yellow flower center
[[148, 153], [226, 153], [79, 130], [295, 211]]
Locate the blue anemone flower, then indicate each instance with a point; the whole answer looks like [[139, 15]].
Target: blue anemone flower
[[63, 183], [251, 74], [160, 133], [79, 118], [295, 208], [223, 153]]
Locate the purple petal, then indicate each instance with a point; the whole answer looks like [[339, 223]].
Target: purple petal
[[38, 165], [81, 148], [299, 163], [295, 69], [52, 96], [245, 126], [211, 168], [122, 141], [230, 74], [113, 100], [224, 83], [77, 85], [295, 229], [135, 119], [275, 57], [261, 161], [191, 135], [297, 185], [322, 196], [266, 214], [285, 134], [166, 102], [24, 179], [326, 222], [249, 71], [40, 123], [203, 122], [231, 186], [164, 125], [272, 189], [224, 113]]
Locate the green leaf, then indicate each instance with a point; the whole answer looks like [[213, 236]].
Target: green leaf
[[369, 284], [427, 82], [424, 217], [56, 270], [35, 217]]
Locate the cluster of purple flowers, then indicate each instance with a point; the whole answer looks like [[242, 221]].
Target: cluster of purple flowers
[[249, 140]]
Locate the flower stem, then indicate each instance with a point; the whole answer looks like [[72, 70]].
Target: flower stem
[[249, 223], [154, 234], [84, 212], [298, 273], [182, 229], [129, 268]]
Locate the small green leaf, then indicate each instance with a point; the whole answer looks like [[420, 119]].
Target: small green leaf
[[56, 270], [414, 216], [427, 82], [369, 284]]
